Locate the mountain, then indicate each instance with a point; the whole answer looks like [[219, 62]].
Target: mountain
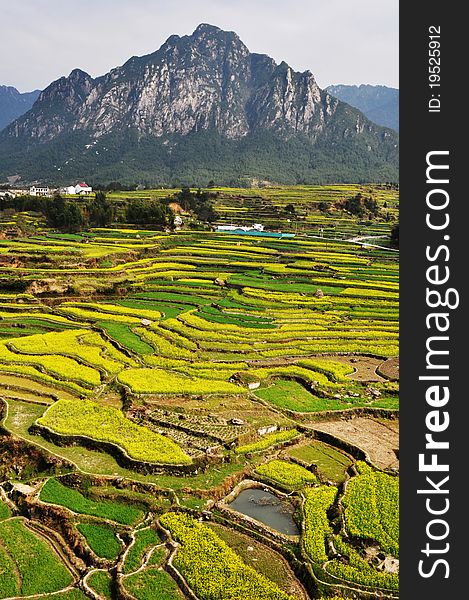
[[378, 102], [13, 103], [201, 107]]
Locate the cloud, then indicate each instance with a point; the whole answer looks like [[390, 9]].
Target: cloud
[[340, 41]]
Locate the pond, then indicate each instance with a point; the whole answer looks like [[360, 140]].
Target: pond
[[266, 508]]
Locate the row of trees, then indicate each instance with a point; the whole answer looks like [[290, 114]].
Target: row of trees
[[100, 211], [149, 212], [72, 216]]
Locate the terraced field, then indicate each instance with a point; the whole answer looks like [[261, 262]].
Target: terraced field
[[272, 207], [144, 374]]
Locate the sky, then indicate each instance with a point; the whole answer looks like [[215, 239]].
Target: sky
[[340, 41]]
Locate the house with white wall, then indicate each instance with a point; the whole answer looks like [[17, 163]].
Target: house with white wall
[[83, 189], [35, 190]]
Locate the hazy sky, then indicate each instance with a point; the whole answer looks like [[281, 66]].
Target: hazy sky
[[340, 41]]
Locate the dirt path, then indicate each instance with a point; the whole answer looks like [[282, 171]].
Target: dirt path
[[362, 241], [88, 589]]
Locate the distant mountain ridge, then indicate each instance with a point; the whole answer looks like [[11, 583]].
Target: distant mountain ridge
[[377, 102], [13, 103], [201, 107]]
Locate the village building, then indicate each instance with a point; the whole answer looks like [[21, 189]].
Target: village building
[[83, 189], [39, 191]]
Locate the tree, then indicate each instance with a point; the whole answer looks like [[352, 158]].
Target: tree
[[199, 203], [185, 198], [355, 206], [206, 212], [372, 205], [323, 206], [101, 210], [63, 215], [149, 212]]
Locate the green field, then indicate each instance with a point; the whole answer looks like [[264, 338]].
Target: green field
[[101, 539], [4, 510], [144, 373], [100, 582], [293, 396], [28, 563], [56, 493], [152, 583], [330, 463]]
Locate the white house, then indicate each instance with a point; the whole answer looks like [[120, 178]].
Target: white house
[[83, 189], [267, 429], [39, 191]]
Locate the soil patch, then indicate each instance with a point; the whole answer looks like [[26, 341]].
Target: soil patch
[[375, 437], [389, 369]]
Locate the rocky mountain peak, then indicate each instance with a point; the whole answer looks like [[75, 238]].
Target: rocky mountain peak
[[207, 81], [206, 28]]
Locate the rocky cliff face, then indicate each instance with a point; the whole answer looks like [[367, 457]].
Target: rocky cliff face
[[205, 82], [208, 80]]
